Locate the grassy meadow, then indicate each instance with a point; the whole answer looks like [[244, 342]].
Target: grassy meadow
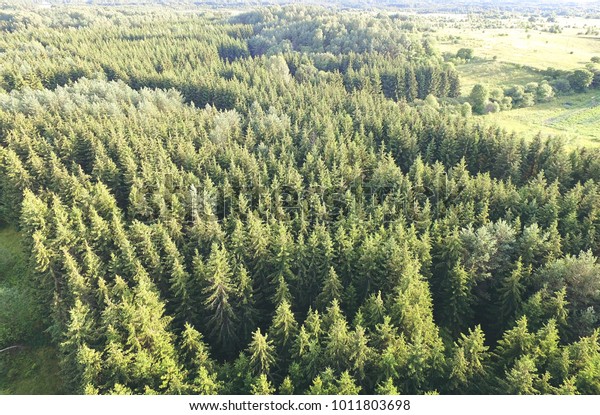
[[576, 118], [513, 54], [566, 50]]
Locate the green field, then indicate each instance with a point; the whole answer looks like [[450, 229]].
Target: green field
[[566, 50], [32, 368], [513, 55], [494, 74], [576, 118]]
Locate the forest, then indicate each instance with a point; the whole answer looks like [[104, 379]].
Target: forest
[[281, 200]]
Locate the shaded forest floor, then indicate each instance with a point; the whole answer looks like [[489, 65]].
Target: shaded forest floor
[[32, 368]]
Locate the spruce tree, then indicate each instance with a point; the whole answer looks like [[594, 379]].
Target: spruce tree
[[262, 353], [218, 293]]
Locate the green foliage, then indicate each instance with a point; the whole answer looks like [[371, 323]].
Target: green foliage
[[20, 314], [262, 386], [221, 316], [30, 371], [479, 97], [465, 53], [262, 353], [580, 79], [288, 199], [521, 378]]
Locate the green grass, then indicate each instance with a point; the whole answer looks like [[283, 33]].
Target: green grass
[[32, 368], [494, 74], [19, 313], [540, 50], [30, 371], [575, 117], [512, 55], [12, 258]]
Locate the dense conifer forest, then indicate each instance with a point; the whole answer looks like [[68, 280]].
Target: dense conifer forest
[[285, 200]]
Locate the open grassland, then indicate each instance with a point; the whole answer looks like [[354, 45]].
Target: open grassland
[[566, 50], [575, 117], [32, 367], [494, 74], [510, 52]]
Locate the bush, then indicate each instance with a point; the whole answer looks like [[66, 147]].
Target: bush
[[580, 79], [465, 53], [479, 98], [544, 92], [528, 100], [492, 107], [506, 104], [517, 94], [466, 110], [596, 81], [432, 101], [496, 95], [562, 85], [531, 87]]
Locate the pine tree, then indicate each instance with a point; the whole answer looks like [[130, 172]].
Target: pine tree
[[332, 290], [515, 343], [520, 379], [80, 332], [286, 387], [314, 323], [179, 282], [511, 292], [262, 353], [282, 292], [14, 184], [140, 351], [373, 310], [206, 383], [221, 319], [246, 304], [346, 385], [337, 345], [468, 366], [262, 386], [360, 352], [410, 82], [194, 350], [386, 388], [324, 384], [457, 312], [284, 328]]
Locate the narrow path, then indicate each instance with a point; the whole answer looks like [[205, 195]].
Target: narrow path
[[11, 347]]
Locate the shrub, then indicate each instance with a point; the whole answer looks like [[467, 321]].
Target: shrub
[[580, 79], [492, 107], [562, 85], [544, 92], [465, 53]]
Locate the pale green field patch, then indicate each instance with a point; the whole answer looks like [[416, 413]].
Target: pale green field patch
[[576, 118]]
